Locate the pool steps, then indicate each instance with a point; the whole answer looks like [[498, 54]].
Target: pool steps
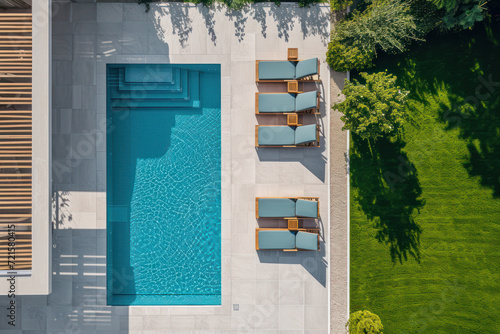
[[174, 86], [157, 73], [181, 89], [189, 81]]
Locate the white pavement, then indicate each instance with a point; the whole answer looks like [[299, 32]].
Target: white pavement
[[276, 292]]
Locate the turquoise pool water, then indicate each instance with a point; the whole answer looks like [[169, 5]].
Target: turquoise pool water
[[163, 185]]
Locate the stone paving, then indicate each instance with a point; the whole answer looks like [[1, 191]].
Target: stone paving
[[339, 213], [275, 292]]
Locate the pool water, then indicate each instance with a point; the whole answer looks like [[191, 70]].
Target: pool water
[[163, 184]]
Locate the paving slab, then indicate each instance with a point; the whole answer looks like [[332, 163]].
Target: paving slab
[[262, 292]]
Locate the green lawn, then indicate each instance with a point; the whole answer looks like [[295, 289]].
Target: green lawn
[[425, 209]]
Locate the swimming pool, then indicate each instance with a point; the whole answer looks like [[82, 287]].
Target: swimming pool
[[163, 184]]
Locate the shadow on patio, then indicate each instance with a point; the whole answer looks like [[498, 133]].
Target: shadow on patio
[[78, 298], [313, 21], [313, 158]]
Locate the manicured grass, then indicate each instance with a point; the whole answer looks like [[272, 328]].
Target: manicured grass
[[433, 196]]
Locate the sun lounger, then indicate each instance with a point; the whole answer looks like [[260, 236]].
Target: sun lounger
[[279, 103], [286, 136], [286, 240], [306, 208], [287, 207], [282, 70]]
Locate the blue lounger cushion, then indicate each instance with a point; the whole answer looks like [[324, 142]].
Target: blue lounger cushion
[[276, 207], [276, 135], [276, 103], [276, 240], [276, 70], [305, 101], [305, 68], [305, 240], [307, 209], [305, 134]]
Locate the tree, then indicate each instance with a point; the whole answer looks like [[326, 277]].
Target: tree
[[426, 16], [373, 109], [364, 322], [461, 13], [385, 25]]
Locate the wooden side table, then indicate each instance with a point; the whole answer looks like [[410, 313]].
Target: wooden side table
[[293, 224], [292, 119], [293, 54], [292, 86]]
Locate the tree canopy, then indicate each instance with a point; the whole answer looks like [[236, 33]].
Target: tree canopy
[[385, 25], [374, 108], [461, 13]]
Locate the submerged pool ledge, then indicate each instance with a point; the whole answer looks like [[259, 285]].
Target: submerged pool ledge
[[172, 300]]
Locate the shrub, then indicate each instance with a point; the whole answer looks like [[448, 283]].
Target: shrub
[[462, 13], [374, 108], [364, 322], [304, 3], [342, 58], [146, 3], [426, 16], [206, 3], [235, 4], [385, 25], [340, 4]]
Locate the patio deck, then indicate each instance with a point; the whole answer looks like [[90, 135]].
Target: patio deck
[[262, 292]]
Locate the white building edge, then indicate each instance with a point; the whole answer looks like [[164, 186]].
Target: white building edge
[[38, 282]]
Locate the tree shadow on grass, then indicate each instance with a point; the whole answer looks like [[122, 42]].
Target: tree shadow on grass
[[457, 73], [475, 108], [485, 162], [389, 194], [479, 126]]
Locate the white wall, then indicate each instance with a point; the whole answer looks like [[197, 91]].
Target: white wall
[[39, 283]]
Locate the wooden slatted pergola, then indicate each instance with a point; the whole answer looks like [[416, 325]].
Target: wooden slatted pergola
[[15, 141]]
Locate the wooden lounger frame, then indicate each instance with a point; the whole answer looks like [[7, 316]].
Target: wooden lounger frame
[[305, 111], [312, 78], [310, 144], [308, 230], [294, 198]]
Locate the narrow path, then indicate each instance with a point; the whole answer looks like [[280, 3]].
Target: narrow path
[[339, 214]]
